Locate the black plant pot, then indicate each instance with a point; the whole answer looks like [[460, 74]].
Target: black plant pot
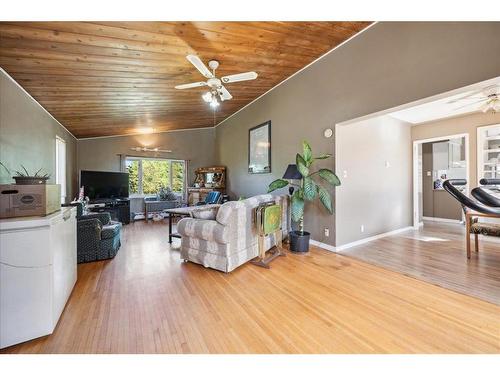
[[299, 241]]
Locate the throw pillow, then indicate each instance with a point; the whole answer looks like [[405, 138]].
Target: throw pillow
[[205, 214]]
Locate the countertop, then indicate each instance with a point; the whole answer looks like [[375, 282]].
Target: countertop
[[36, 221]]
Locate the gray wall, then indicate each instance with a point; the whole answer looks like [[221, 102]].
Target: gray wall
[[386, 66], [28, 136], [102, 154], [374, 158]]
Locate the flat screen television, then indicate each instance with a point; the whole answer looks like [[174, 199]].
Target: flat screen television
[[104, 185]]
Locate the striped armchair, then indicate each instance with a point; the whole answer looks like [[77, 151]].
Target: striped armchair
[[231, 238]]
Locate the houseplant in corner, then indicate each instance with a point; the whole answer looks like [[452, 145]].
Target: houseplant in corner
[[25, 178], [308, 189]]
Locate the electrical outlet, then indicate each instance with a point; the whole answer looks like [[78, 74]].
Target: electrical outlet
[[344, 174], [362, 228], [327, 232], [387, 164]]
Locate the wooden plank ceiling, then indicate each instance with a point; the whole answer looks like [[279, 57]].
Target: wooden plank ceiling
[[114, 78]]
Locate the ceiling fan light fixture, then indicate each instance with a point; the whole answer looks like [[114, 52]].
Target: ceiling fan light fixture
[[207, 97], [215, 84], [214, 103]]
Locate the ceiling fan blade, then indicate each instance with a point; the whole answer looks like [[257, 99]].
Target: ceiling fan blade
[[198, 64], [475, 92], [190, 85], [239, 77], [469, 104], [224, 94], [464, 97]]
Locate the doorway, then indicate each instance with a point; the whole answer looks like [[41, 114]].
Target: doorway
[[434, 161]]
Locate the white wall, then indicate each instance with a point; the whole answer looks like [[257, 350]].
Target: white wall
[[374, 159]]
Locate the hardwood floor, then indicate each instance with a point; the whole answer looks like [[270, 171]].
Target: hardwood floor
[[147, 301], [436, 254]]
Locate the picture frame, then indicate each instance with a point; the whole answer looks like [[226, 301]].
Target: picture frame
[[259, 148]]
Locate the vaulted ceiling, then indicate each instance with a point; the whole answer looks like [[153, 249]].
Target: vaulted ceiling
[[115, 78]]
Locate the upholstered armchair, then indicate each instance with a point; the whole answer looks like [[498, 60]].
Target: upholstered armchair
[[97, 236]]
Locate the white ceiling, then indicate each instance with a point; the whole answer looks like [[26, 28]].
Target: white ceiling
[[442, 108]]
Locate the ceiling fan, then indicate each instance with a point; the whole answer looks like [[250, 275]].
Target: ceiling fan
[[487, 98], [215, 84]]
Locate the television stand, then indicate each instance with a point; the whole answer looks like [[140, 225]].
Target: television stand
[[119, 209]]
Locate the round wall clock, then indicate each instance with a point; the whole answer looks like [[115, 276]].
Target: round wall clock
[[328, 133]]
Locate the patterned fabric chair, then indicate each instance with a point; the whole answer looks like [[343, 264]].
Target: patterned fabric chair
[[97, 236], [232, 238]]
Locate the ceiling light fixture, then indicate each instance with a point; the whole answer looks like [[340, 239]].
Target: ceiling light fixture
[[211, 98], [207, 97], [493, 104], [147, 149], [146, 130], [214, 103]]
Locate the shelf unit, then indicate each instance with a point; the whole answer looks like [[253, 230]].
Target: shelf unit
[[488, 151]]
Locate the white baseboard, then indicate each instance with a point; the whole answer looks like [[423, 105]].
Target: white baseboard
[[337, 249], [441, 220], [322, 245], [372, 238]]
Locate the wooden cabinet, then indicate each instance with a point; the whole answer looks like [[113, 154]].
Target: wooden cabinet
[[207, 179]]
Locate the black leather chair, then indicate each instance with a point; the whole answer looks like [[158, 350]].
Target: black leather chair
[[474, 209], [483, 196]]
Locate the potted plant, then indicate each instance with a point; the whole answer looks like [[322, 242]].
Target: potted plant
[[307, 190], [24, 177]]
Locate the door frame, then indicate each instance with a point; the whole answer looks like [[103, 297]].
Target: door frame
[[416, 143]]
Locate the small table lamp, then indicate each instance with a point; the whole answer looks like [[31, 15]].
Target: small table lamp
[[292, 173]]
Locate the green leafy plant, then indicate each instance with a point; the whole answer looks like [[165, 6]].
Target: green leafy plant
[[24, 172], [4, 167], [308, 189]]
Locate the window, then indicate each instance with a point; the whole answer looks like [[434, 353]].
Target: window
[[61, 166], [148, 175]]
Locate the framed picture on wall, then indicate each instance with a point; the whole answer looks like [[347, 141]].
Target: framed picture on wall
[[259, 149]]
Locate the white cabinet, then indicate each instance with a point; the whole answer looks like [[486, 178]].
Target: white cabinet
[[37, 274], [488, 151]]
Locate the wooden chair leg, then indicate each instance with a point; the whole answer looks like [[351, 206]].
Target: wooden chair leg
[[467, 237], [476, 242]]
